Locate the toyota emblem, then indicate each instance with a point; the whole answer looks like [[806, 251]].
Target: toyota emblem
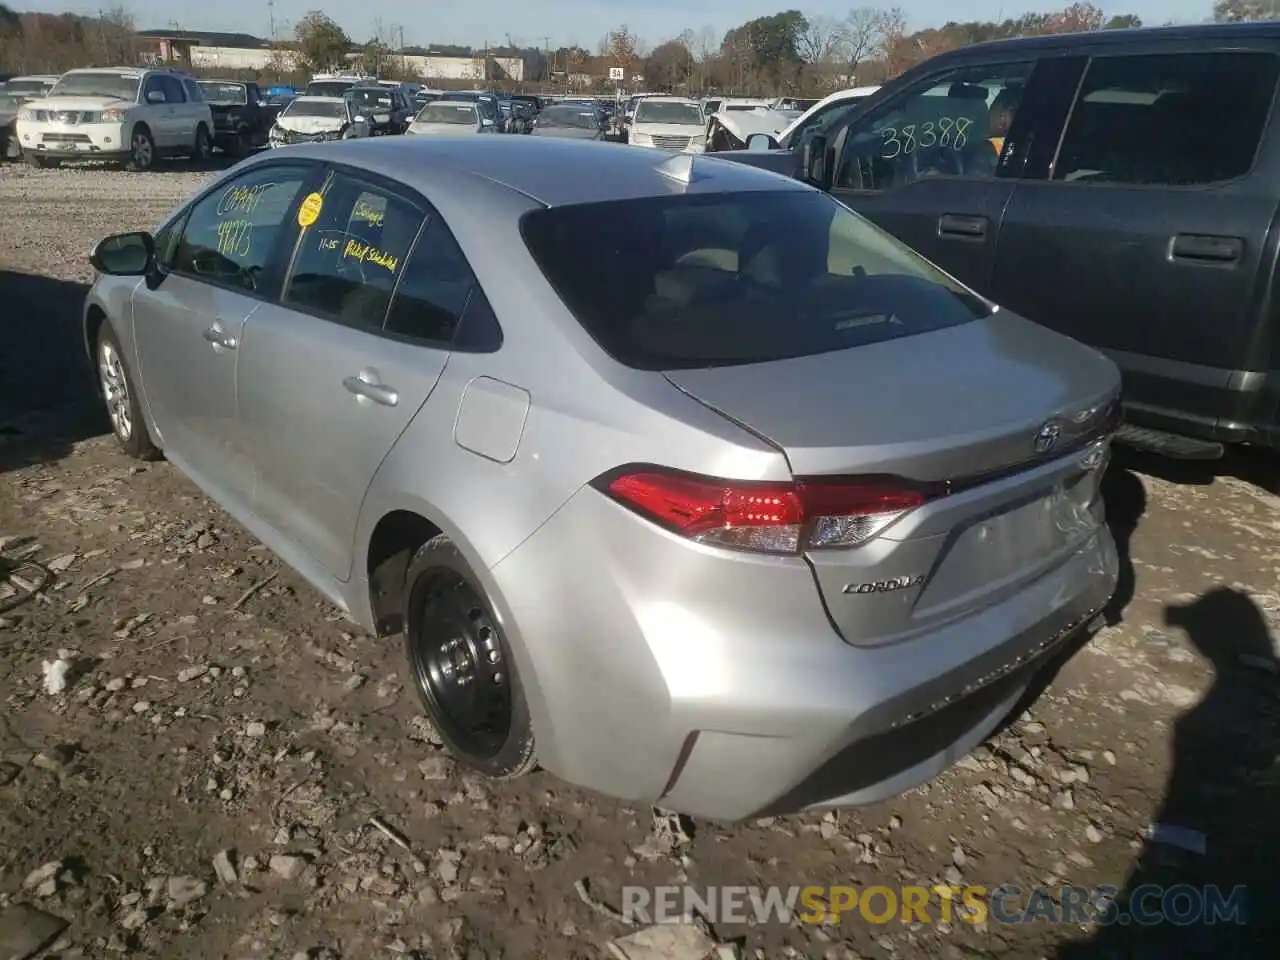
[[1047, 436]]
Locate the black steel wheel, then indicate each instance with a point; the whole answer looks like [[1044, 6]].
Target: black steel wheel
[[462, 667]]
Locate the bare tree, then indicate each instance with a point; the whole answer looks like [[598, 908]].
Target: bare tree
[[821, 40], [863, 34]]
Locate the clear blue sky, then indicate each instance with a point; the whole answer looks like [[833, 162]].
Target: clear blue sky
[[564, 21]]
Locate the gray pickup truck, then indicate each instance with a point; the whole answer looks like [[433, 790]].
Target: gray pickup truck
[[241, 116], [1119, 187]]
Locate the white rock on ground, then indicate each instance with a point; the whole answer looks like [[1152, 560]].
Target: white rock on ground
[[25, 931], [664, 941]]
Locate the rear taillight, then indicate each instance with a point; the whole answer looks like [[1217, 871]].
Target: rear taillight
[[764, 517]]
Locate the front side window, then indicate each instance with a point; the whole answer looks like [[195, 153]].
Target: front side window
[[232, 234], [350, 258], [172, 87], [710, 280], [955, 125], [823, 120], [1173, 119]]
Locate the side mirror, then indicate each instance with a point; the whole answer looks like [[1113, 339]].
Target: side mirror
[[125, 255], [361, 119], [155, 96], [815, 162], [759, 142]]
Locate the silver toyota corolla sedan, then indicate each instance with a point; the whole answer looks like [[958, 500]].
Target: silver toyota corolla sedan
[[674, 474]]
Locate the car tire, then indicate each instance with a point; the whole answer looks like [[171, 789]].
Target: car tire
[[202, 149], [120, 396], [461, 665], [142, 150]]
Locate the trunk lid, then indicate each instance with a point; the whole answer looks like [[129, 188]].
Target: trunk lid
[[959, 409]]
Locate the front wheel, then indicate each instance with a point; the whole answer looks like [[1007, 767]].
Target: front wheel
[[462, 666], [121, 399], [142, 150]]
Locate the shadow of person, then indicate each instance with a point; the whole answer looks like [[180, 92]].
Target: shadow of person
[[1224, 787], [1126, 501]]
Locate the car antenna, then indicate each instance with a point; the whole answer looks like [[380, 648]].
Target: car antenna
[[678, 168]]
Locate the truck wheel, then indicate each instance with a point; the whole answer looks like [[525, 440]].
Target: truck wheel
[[202, 149], [142, 150], [239, 145]]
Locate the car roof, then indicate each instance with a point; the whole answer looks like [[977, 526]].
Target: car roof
[[1200, 32], [119, 71], [317, 99], [661, 99], [551, 171]]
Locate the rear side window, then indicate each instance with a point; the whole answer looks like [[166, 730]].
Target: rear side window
[[728, 278], [350, 259], [1168, 119], [437, 282]]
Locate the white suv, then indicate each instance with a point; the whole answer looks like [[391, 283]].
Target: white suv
[[122, 114]]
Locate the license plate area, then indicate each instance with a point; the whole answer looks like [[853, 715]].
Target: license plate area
[[1018, 541]]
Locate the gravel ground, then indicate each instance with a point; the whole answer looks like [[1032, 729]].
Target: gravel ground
[[220, 777]]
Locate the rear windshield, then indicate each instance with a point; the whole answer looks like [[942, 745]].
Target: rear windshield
[[26, 87], [581, 118], [365, 97], [328, 88], [215, 92], [462, 113], [681, 282]]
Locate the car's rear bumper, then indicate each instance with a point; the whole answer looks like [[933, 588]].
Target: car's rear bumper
[[660, 671]]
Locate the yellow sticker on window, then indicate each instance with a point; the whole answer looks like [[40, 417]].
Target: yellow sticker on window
[[309, 212]]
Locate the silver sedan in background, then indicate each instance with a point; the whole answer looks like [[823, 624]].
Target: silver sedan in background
[[675, 476], [571, 121], [451, 117]]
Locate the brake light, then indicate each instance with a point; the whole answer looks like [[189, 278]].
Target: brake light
[[765, 517]]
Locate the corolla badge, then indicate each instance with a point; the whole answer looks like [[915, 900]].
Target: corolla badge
[[892, 585], [1047, 436]]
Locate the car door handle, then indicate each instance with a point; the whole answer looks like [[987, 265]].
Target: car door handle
[[1209, 250], [220, 338], [366, 385], [963, 227]]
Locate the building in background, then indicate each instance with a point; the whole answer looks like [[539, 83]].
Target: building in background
[[239, 51]]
